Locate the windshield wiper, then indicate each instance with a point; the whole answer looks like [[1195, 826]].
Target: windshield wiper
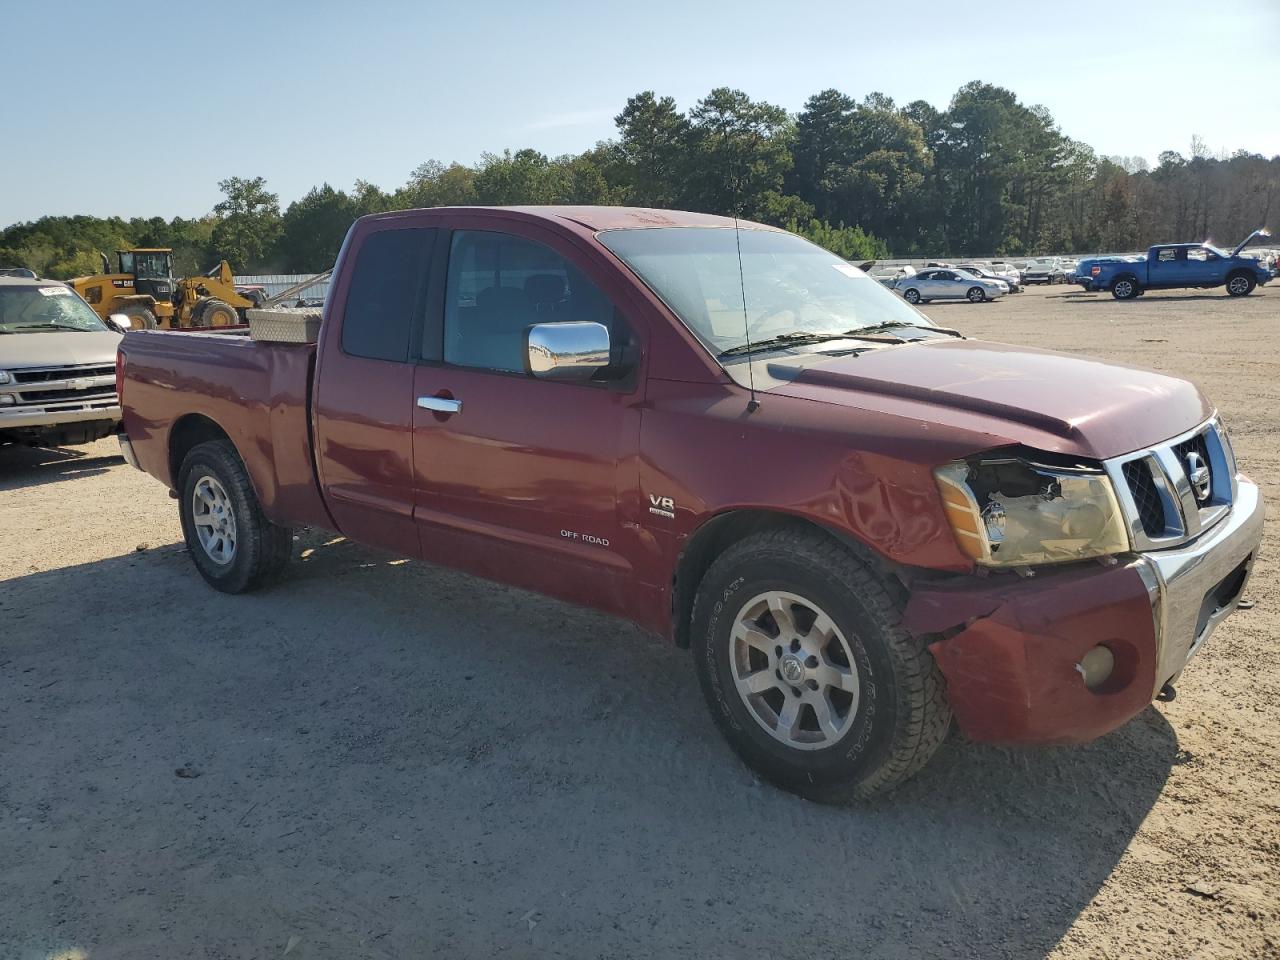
[[782, 339], [894, 324], [51, 326]]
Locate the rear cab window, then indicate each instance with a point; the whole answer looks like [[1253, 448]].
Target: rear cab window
[[387, 293]]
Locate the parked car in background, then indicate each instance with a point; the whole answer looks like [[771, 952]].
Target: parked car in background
[[57, 366], [1044, 270], [888, 276], [862, 524], [1170, 266], [21, 272], [953, 284], [1006, 270], [986, 273]]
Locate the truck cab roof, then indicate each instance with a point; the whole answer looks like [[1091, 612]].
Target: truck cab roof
[[593, 218]]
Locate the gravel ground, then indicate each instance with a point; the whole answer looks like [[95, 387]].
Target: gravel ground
[[382, 759]]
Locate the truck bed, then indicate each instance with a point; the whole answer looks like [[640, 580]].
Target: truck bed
[[187, 387]]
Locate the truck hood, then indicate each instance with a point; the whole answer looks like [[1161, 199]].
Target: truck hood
[[1263, 232], [58, 348], [1050, 401]]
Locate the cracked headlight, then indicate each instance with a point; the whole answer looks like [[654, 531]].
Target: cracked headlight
[[1009, 511]]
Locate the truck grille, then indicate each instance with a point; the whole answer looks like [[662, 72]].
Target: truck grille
[[76, 387], [62, 373], [1137, 473], [1171, 493]]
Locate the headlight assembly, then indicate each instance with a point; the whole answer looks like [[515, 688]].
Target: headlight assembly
[[1011, 511]]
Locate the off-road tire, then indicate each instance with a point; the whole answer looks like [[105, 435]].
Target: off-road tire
[[140, 317], [911, 295], [975, 295], [902, 715], [1125, 288], [209, 312], [262, 548], [1240, 284]]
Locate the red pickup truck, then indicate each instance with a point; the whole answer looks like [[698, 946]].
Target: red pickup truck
[[864, 525]]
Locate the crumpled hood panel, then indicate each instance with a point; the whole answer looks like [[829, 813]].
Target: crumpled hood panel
[[1018, 394]]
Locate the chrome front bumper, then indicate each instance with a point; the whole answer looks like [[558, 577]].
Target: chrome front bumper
[[1194, 587], [14, 418]]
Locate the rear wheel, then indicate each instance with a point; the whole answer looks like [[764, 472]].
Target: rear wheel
[[1240, 284], [140, 317], [232, 543], [216, 313], [808, 671], [976, 295], [911, 295], [1126, 288]]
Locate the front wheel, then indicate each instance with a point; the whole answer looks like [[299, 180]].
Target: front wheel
[[808, 671], [1240, 284], [976, 295], [911, 295], [230, 540], [140, 317], [217, 313]]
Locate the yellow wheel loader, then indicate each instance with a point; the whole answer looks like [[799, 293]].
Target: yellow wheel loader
[[145, 291]]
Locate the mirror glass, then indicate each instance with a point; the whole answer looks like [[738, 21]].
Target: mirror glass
[[567, 351]]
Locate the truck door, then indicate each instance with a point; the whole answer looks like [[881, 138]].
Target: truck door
[[1165, 266], [363, 404], [524, 480], [1203, 267]]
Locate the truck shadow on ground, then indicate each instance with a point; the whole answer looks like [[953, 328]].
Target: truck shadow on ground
[[22, 466], [377, 756]]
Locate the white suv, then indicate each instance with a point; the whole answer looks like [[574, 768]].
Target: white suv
[[57, 366]]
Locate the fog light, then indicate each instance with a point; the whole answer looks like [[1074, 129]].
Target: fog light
[[6, 399], [1096, 666]]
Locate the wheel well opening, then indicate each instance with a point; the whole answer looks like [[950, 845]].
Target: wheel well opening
[[718, 534], [189, 432]]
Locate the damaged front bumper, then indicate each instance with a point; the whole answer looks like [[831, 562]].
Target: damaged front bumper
[[1011, 648]]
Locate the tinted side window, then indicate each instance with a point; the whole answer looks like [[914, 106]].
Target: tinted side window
[[499, 285], [1167, 255], [386, 291]]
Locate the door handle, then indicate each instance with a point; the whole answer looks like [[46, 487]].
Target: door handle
[[440, 404]]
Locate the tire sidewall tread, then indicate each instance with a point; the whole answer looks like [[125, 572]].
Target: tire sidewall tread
[[262, 547], [902, 714]]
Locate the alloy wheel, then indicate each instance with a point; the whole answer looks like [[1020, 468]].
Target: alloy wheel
[[214, 519], [794, 670]]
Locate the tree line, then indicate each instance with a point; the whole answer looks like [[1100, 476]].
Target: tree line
[[867, 179]]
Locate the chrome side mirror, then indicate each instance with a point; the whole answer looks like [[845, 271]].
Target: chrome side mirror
[[120, 322], [567, 351]]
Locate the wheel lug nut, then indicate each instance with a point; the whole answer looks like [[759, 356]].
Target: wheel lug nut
[[811, 662], [813, 684]]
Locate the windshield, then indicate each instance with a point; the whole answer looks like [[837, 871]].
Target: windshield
[[154, 266], [33, 309], [791, 287]]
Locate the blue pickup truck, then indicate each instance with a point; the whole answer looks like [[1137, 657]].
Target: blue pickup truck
[[1172, 265]]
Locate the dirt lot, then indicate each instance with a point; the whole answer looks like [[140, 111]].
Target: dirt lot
[[382, 759]]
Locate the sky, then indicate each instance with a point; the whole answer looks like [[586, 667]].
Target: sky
[[140, 109]]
